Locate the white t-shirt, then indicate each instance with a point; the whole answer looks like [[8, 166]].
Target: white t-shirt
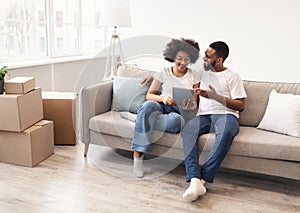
[[226, 83], [169, 80]]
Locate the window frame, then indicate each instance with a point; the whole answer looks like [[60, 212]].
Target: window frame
[[49, 27]]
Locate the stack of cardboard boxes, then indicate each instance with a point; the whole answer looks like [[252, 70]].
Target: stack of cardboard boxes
[[25, 139]]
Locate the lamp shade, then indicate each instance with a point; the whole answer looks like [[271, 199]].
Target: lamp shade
[[115, 13]]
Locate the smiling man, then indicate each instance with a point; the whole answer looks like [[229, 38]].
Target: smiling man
[[222, 97]]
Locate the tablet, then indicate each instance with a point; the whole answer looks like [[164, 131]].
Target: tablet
[[179, 94]]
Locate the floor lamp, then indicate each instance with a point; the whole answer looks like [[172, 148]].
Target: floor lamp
[[115, 13]]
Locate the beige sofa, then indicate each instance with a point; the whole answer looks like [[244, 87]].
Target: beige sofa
[[253, 150]]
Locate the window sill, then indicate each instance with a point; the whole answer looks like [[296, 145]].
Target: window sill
[[47, 61]]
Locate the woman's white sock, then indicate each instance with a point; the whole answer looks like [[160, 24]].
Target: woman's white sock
[[195, 190], [138, 166]]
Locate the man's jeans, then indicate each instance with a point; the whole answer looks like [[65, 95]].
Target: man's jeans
[[153, 115], [225, 126]]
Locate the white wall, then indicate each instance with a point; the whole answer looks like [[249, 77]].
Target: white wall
[[263, 35], [64, 76]]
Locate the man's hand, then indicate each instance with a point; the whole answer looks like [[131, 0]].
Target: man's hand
[[235, 104], [211, 93]]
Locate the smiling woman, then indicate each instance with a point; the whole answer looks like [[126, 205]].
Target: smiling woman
[[160, 111]]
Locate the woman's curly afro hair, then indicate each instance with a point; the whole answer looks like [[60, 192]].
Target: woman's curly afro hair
[[189, 46]]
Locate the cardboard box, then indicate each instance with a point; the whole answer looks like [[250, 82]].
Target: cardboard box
[[18, 112], [60, 108], [19, 85], [29, 147]]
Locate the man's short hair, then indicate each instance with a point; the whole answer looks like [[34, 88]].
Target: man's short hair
[[221, 48]]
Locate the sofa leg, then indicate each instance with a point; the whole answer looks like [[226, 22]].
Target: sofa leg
[[86, 148]]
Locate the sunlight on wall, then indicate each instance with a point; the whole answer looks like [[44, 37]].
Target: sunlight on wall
[[263, 35]]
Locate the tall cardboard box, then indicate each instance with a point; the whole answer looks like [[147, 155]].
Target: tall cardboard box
[[19, 85], [60, 107], [29, 147], [18, 112]]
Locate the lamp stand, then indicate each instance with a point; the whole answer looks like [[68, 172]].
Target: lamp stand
[[109, 74]]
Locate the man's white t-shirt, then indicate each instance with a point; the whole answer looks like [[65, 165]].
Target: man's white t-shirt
[[226, 83], [169, 80]]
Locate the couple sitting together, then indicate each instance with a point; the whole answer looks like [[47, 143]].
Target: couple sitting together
[[219, 94]]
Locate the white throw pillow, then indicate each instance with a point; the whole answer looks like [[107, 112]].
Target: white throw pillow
[[282, 114]]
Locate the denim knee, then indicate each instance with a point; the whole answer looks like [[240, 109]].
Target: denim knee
[[178, 123], [188, 128], [149, 105]]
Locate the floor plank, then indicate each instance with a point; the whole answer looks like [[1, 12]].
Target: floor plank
[[103, 182]]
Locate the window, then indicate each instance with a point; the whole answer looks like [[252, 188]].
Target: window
[[93, 37], [49, 28], [11, 43], [59, 44], [41, 15], [97, 19], [42, 44], [20, 29], [59, 18]]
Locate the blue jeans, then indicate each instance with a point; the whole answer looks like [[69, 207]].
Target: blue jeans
[[153, 115], [225, 126]]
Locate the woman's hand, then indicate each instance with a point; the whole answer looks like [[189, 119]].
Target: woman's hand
[[188, 104], [169, 101]]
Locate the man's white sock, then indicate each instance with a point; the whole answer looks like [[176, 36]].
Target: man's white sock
[[195, 190], [138, 166]]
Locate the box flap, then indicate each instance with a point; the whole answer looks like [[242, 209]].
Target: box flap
[[37, 126], [12, 96], [19, 79], [42, 123], [58, 95], [31, 129]]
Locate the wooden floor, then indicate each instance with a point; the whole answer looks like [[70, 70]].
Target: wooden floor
[[68, 182]]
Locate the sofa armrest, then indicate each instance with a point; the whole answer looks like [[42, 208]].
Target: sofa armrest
[[93, 100]]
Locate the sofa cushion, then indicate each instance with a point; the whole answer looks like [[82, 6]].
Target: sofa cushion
[[257, 99], [249, 142], [111, 123], [254, 142]]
